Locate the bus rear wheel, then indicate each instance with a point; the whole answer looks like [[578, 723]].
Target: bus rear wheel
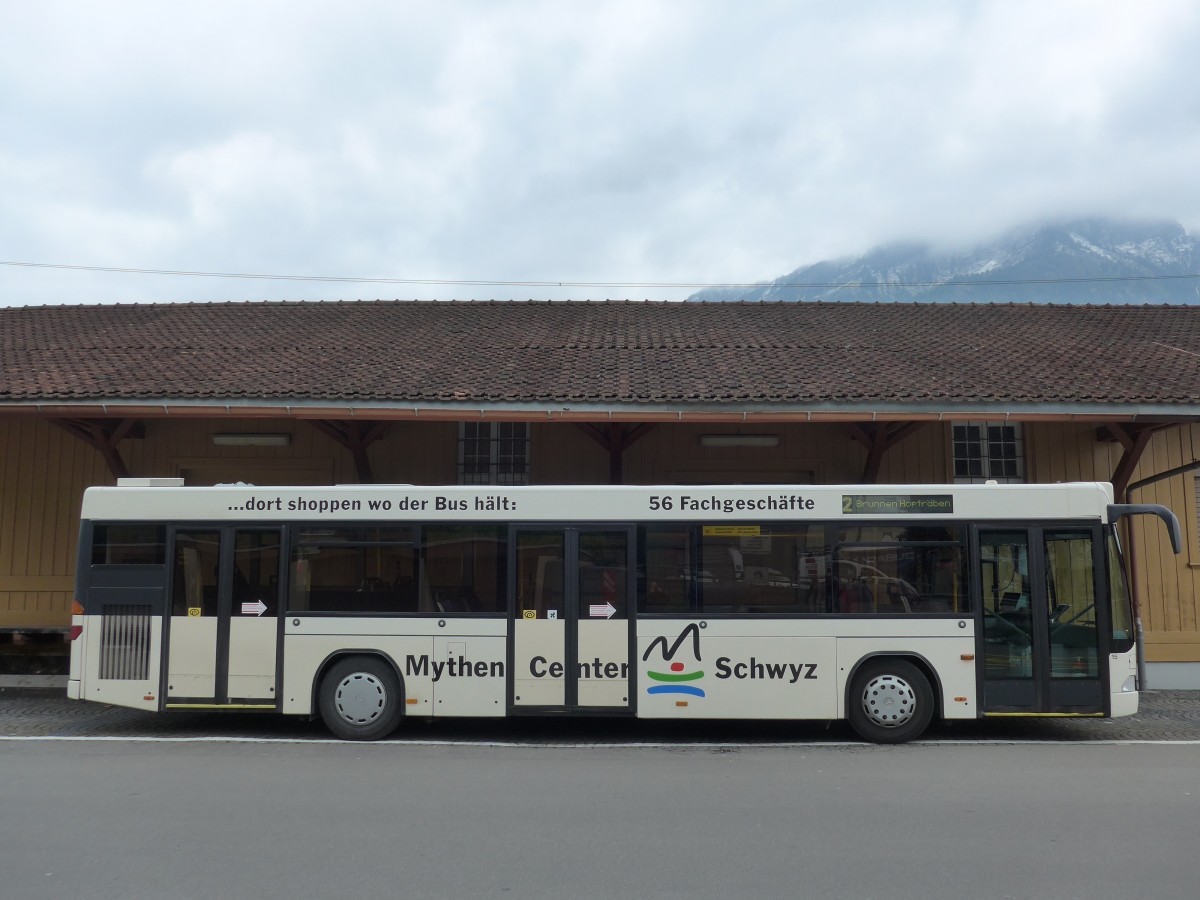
[[361, 699], [890, 701]]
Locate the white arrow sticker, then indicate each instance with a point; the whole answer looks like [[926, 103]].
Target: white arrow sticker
[[605, 610], [257, 608]]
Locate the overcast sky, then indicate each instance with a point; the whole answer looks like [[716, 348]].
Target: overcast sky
[[562, 141]]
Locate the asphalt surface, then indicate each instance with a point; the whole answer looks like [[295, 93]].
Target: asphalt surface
[[122, 820], [1172, 716], [187, 805]]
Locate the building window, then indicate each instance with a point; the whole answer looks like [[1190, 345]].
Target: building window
[[989, 451], [493, 453]]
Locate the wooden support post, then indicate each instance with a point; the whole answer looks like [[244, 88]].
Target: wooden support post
[[879, 444], [878, 438], [104, 435], [616, 439], [355, 437], [1134, 441]]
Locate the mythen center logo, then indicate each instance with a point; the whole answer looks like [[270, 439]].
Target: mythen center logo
[[677, 680]]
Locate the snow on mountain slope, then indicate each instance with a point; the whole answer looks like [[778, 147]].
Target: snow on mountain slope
[[1082, 261]]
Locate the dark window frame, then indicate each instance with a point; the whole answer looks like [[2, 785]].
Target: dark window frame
[[987, 450], [303, 536], [829, 545], [493, 453], [100, 529]]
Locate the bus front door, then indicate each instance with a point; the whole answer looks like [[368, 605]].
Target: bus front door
[[571, 600], [1040, 644], [222, 636]]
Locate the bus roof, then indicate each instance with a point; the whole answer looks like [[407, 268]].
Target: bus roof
[[598, 503]]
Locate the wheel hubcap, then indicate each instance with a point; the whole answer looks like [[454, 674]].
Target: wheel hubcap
[[889, 700], [360, 699]]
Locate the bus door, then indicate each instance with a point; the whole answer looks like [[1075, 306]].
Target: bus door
[[123, 580], [571, 601], [222, 637], [1039, 645]]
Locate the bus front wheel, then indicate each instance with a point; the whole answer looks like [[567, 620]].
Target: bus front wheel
[[361, 699], [890, 701]]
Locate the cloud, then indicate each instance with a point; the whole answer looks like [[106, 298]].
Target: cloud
[[620, 141]]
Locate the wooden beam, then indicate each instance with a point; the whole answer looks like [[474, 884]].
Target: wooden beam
[[1129, 460], [616, 439], [900, 430], [103, 435], [1122, 432], [1118, 433], [616, 454], [595, 432], [878, 438], [355, 437], [879, 445], [861, 433], [1134, 438]]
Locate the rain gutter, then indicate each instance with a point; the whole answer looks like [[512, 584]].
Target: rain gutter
[[569, 411]]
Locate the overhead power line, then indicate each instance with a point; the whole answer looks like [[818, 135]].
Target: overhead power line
[[694, 285]]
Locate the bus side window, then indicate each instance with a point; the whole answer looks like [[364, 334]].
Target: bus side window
[[129, 544], [194, 585]]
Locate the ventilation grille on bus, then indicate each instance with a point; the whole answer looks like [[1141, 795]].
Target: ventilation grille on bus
[[125, 642]]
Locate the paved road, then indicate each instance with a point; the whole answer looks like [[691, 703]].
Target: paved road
[[121, 819], [101, 802], [1164, 715]]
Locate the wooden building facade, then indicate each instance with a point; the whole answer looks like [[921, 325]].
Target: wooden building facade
[[599, 393]]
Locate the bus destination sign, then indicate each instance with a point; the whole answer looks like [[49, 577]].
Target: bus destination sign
[[896, 504]]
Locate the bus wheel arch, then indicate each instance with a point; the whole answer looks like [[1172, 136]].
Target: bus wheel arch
[[892, 697], [360, 695]]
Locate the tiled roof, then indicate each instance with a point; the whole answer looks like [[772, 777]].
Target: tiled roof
[[836, 355]]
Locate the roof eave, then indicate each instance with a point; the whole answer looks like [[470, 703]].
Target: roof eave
[[680, 411]]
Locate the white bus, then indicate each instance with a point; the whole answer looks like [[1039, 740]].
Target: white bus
[[884, 605]]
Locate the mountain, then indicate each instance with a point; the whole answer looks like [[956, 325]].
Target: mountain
[[1124, 262]]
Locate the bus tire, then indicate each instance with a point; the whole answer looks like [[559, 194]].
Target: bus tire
[[361, 699], [890, 701]]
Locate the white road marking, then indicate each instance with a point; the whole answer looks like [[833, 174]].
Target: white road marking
[[587, 745]]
